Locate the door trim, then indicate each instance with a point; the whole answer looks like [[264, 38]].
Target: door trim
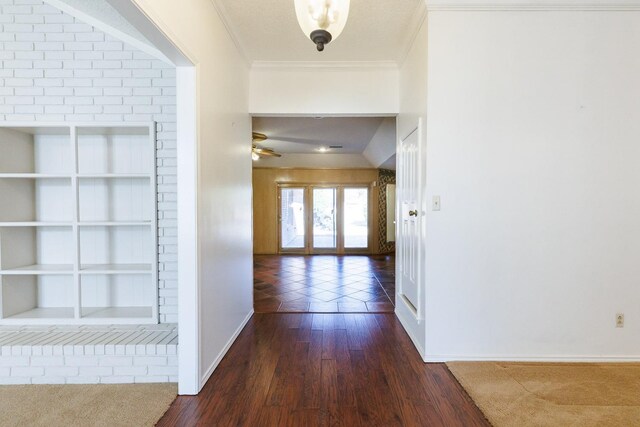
[[305, 197]]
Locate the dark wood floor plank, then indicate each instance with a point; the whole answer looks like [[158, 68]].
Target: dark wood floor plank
[[329, 370], [346, 386], [312, 390]]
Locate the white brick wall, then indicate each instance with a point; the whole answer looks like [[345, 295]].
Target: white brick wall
[[88, 369], [54, 68], [88, 354]]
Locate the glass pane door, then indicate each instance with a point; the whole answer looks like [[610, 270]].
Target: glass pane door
[[356, 218], [292, 212], [324, 218]]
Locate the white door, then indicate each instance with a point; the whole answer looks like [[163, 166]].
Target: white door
[[409, 220]]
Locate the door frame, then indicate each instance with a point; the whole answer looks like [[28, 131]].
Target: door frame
[[308, 248]]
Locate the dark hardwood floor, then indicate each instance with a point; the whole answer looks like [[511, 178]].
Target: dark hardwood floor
[[324, 284], [326, 370]]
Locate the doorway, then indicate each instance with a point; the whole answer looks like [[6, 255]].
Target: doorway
[[324, 219]]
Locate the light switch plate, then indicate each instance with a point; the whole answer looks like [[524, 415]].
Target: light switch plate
[[435, 206]]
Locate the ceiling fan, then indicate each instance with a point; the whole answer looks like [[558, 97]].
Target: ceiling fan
[[260, 152]]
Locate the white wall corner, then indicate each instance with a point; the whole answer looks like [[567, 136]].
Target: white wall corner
[[233, 34], [188, 277], [417, 22]]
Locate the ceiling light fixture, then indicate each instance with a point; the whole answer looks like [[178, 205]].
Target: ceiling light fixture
[[322, 20], [323, 149], [255, 157]]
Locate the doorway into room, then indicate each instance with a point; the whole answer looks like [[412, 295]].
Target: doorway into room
[[324, 219]]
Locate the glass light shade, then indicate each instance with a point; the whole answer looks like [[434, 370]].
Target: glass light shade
[[328, 15], [255, 157]]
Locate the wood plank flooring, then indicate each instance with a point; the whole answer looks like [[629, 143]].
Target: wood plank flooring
[[326, 370]]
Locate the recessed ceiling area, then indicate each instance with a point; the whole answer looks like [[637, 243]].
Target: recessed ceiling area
[[267, 30], [345, 142], [307, 134]]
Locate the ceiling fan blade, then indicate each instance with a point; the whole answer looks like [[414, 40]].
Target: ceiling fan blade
[[258, 137], [265, 152], [304, 141]]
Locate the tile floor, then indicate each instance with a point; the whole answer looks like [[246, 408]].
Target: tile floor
[[324, 284]]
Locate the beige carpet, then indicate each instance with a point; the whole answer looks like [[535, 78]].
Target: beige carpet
[[553, 394], [128, 405]]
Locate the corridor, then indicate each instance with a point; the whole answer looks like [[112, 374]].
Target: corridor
[[326, 370]]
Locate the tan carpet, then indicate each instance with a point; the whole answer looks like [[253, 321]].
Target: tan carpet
[[553, 394], [85, 405]]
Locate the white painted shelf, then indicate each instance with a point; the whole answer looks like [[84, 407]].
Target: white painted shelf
[[33, 176], [116, 269], [48, 313], [114, 176], [114, 223], [35, 224], [116, 312], [78, 224], [36, 269]]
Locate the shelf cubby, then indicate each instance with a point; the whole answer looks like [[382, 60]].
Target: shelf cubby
[[108, 245], [115, 150], [37, 298], [36, 250], [116, 296], [78, 221], [115, 199]]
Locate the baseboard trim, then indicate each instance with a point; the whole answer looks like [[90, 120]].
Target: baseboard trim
[[224, 351], [557, 359], [408, 325]]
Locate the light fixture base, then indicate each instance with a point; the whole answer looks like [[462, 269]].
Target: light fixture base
[[320, 38]]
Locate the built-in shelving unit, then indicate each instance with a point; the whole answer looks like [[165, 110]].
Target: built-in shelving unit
[[78, 223]]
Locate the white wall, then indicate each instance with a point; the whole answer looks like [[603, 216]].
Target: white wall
[[533, 145], [224, 241], [58, 69], [383, 144], [324, 91]]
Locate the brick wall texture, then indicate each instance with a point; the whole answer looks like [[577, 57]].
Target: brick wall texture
[[54, 68]]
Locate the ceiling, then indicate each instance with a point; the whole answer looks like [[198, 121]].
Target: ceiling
[[304, 135], [376, 30]]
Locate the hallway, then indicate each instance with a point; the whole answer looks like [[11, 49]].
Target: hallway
[[324, 284], [326, 369]]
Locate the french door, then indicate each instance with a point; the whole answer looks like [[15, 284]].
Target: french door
[[329, 219]]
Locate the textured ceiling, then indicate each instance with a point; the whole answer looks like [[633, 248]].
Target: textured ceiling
[[377, 30], [306, 135]]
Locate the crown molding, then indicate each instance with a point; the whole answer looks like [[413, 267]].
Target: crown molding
[[532, 5], [222, 13], [417, 22], [326, 65]]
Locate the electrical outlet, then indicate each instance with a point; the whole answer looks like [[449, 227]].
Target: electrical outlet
[[620, 320]]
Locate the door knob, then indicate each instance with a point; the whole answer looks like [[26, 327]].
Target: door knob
[[413, 213]]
